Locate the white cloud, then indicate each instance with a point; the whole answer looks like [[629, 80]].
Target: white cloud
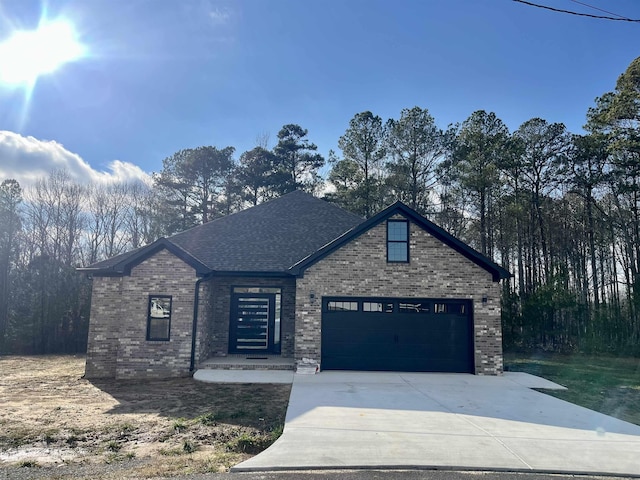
[[27, 159], [219, 16], [208, 12]]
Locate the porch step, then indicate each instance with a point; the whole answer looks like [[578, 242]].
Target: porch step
[[249, 362], [243, 376]]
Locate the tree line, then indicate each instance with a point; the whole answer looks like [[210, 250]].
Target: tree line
[[561, 211]]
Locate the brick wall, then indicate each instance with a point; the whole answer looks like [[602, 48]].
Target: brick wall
[[360, 268], [102, 344], [117, 345], [221, 309], [205, 327]]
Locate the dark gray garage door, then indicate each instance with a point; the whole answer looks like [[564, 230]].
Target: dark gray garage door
[[392, 334]]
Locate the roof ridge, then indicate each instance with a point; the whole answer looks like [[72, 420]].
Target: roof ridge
[[250, 209], [270, 236], [334, 205]]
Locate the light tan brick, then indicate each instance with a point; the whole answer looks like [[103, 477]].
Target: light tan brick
[[360, 268]]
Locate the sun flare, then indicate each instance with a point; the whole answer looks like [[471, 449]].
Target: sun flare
[[28, 54]]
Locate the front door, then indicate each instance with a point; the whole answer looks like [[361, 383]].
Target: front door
[[252, 325]]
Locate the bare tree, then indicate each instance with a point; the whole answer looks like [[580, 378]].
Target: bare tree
[[55, 217], [10, 224]]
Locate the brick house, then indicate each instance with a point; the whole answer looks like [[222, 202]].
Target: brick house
[[298, 278]]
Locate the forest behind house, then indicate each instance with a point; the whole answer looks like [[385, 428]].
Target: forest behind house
[[560, 211]]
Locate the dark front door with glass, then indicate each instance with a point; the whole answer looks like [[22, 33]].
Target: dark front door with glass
[[253, 323]]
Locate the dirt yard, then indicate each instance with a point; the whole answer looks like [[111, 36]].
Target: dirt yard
[[54, 423]]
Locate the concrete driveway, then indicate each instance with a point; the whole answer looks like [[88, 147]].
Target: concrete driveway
[[421, 420]]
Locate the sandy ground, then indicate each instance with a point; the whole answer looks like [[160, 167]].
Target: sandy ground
[[52, 418]]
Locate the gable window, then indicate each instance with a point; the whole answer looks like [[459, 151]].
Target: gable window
[[159, 317], [398, 241]]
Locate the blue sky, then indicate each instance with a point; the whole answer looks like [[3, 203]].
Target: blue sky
[[162, 75]]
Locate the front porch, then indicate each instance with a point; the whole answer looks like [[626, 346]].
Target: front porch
[[248, 362], [246, 369], [247, 323]]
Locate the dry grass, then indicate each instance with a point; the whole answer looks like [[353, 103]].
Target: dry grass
[[50, 416]]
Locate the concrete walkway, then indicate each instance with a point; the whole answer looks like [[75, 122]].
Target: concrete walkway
[[457, 421], [244, 376]]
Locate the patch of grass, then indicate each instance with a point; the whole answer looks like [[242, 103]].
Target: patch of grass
[[171, 452], [238, 414], [28, 464], [49, 436], [72, 440], [114, 457], [46, 403], [208, 419], [120, 430], [246, 443], [126, 428], [180, 425], [610, 385], [276, 433], [220, 462], [201, 462], [189, 447], [15, 437], [113, 446], [75, 436]]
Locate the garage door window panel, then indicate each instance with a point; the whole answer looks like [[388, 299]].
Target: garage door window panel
[[342, 306], [414, 307], [377, 307]]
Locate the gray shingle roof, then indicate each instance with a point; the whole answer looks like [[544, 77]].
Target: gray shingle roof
[[283, 236], [110, 262], [270, 237]]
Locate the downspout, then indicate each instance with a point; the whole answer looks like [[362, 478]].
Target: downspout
[[194, 328]]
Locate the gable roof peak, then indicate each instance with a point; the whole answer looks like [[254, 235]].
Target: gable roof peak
[[122, 264], [476, 257]]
